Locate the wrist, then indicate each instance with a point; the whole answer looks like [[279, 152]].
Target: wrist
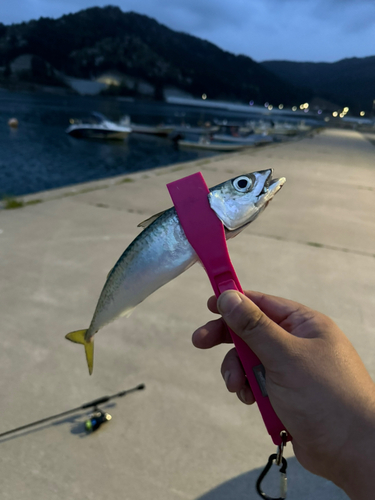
[[355, 466]]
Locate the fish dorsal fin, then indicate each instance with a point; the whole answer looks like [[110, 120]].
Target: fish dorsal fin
[[150, 220]]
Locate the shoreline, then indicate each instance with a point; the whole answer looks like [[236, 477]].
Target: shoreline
[[94, 185]]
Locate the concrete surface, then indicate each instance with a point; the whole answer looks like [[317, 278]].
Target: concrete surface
[[185, 436]]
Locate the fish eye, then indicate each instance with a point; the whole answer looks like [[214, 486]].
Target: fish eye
[[242, 184]]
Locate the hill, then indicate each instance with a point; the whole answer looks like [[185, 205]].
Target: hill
[[96, 40], [349, 82]]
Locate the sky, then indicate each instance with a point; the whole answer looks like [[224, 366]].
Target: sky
[[294, 30]]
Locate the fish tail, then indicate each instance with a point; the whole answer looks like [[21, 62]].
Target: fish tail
[[79, 337]]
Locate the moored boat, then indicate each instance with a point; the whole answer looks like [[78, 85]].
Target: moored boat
[[207, 144], [250, 140], [160, 130], [98, 127]]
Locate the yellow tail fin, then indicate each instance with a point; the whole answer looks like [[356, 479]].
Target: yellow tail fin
[[79, 338]]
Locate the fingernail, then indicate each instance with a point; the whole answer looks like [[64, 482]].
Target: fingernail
[[243, 396], [228, 301], [227, 377]]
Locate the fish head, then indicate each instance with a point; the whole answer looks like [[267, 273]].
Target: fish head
[[239, 201]]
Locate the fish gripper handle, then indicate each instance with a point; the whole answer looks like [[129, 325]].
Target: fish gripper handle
[[205, 233]]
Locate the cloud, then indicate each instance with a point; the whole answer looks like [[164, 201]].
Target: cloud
[[310, 30]]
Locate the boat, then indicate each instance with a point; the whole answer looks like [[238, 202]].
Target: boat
[[159, 130], [98, 127], [260, 126], [186, 129], [287, 129], [234, 128], [249, 140], [207, 144]]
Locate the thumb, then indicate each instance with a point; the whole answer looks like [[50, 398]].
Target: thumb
[[264, 337]]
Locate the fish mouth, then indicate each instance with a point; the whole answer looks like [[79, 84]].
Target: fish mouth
[[273, 185], [270, 188]]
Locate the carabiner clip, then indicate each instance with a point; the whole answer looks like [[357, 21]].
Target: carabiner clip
[[283, 480]]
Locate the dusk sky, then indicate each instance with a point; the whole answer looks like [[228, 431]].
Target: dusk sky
[[295, 30]]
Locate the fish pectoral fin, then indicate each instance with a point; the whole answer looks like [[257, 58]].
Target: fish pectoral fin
[[150, 220], [78, 337], [127, 313]]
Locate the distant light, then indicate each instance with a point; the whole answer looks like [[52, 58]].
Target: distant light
[[335, 113], [346, 109], [326, 119], [266, 104], [270, 107], [281, 106], [251, 103], [301, 106], [204, 96], [319, 111], [342, 115], [362, 113], [294, 108]]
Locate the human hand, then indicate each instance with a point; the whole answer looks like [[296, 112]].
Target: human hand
[[316, 382]]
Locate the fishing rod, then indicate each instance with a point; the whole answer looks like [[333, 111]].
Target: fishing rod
[[93, 423]]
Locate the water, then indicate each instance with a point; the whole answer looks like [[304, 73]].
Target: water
[[39, 155]]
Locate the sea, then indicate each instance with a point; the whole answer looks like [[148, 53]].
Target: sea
[[39, 155]]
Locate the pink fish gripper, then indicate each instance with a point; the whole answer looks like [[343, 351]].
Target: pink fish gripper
[[205, 233]]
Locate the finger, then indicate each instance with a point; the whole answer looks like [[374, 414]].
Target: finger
[[232, 371], [212, 333], [276, 308], [235, 379], [266, 339], [211, 304], [246, 395]]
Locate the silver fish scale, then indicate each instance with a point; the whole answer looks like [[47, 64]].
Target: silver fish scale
[[158, 254]]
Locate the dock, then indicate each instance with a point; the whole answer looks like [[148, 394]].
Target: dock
[[184, 436]]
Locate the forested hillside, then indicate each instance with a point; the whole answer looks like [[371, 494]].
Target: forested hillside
[[95, 40]]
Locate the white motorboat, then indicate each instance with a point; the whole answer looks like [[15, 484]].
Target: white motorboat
[[249, 140], [99, 127], [207, 144]]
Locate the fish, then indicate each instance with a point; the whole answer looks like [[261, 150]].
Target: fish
[[161, 252]]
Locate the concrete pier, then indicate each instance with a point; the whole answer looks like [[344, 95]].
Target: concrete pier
[[184, 436]]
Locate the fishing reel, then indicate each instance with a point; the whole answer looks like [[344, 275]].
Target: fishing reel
[[97, 418]]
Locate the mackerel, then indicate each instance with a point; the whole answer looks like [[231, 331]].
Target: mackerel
[[161, 252]]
